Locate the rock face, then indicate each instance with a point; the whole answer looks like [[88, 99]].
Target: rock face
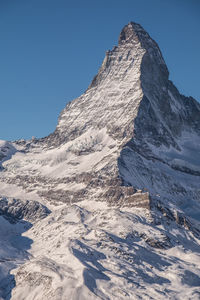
[[6, 151], [127, 153], [14, 210]]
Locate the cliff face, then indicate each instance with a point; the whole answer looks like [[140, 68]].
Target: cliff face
[[127, 153]]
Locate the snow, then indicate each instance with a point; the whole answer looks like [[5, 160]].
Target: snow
[[82, 253]]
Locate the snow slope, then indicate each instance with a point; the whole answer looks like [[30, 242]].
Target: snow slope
[[87, 252]]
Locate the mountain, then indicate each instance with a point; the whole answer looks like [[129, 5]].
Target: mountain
[[108, 205]]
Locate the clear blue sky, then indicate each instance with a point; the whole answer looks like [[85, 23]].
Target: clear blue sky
[[51, 49]]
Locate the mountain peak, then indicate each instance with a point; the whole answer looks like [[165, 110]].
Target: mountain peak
[[136, 54], [129, 33], [120, 176], [132, 35]]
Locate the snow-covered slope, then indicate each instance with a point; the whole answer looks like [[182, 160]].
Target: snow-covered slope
[[120, 175]]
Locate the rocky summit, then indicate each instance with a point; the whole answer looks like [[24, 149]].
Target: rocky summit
[[108, 205]]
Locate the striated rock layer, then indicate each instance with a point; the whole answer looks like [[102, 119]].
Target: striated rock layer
[[127, 153]]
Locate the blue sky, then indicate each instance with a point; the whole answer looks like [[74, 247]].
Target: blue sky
[[51, 49]]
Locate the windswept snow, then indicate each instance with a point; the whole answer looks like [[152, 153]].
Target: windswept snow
[[87, 252]]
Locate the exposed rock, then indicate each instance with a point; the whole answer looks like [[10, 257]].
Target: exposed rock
[[14, 210], [180, 218]]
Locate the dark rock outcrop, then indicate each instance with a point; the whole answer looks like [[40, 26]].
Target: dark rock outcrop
[[15, 210]]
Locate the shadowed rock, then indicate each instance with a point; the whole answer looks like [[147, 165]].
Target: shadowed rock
[[14, 210]]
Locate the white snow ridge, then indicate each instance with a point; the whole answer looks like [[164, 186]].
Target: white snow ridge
[[108, 205]]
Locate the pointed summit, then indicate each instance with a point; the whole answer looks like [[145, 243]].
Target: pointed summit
[[134, 36], [135, 50], [134, 33], [129, 33]]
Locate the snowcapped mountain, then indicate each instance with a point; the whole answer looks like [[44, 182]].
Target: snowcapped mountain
[[108, 205]]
